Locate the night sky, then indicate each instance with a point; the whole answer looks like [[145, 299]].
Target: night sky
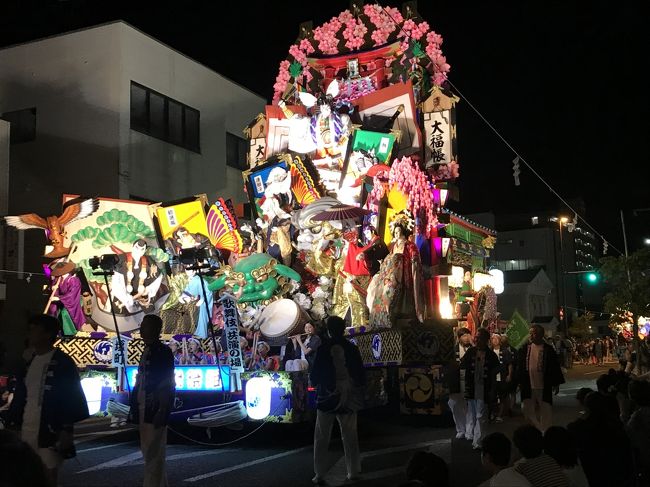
[[560, 80]]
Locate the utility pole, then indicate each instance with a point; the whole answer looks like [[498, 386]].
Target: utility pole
[[562, 273]]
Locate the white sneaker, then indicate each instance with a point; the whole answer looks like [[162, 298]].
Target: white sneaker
[[469, 437], [460, 436], [476, 446]]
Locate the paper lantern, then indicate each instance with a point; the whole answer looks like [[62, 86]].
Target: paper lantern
[[456, 278], [481, 280], [258, 397], [498, 282], [92, 387]]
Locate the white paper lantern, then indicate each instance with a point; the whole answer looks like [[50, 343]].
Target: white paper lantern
[[92, 387], [499, 286], [258, 397], [456, 278], [481, 280]]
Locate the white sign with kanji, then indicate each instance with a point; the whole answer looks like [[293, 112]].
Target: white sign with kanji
[[437, 130], [231, 329]]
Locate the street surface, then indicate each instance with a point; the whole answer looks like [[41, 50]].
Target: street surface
[[281, 455]]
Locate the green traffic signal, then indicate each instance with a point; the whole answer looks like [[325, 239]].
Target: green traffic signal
[[592, 277]]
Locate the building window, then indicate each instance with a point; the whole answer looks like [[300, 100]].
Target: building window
[[23, 125], [521, 243], [236, 151], [164, 118], [534, 220]]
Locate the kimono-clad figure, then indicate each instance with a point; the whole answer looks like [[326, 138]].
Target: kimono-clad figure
[[194, 294], [66, 299], [352, 281], [395, 292]]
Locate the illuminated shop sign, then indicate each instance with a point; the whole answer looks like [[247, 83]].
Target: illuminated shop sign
[[194, 377]]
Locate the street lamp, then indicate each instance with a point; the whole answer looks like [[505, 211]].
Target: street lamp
[[561, 220], [646, 241]]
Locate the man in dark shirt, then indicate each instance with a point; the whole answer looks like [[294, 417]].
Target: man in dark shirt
[[50, 399], [338, 375], [152, 399]]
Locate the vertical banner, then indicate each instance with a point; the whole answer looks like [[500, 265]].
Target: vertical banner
[[117, 359], [231, 329]]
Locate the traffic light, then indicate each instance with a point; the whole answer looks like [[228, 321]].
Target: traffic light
[[592, 277]]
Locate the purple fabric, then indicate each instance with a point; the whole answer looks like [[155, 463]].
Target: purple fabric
[[69, 293]]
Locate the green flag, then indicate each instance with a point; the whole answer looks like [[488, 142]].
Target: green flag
[[517, 330]]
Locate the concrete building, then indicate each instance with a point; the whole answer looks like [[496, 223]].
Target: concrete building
[[531, 241], [110, 111], [527, 291]]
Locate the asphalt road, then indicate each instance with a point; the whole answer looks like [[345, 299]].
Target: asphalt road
[[281, 455]]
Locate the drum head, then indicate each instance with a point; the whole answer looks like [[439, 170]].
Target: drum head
[[279, 318]]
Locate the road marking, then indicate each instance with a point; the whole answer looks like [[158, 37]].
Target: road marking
[[247, 464], [105, 446], [194, 454], [116, 462]]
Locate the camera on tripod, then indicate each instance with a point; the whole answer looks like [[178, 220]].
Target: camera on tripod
[[193, 258], [106, 262]]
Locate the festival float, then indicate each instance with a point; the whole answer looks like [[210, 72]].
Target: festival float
[[350, 169]]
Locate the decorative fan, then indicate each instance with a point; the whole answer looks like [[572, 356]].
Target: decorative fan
[[302, 183], [222, 227]]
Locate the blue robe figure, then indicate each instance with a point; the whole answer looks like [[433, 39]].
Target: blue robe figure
[[193, 292]]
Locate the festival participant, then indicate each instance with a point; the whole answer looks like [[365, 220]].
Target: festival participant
[[310, 345], [195, 355], [561, 447], [175, 347], [50, 399], [495, 457], [456, 383], [540, 377], [152, 399], [539, 469], [338, 376], [480, 364], [264, 361], [504, 376]]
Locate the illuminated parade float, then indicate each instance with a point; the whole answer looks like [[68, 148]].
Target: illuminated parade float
[[350, 169]]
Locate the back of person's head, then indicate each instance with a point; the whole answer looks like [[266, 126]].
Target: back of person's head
[[622, 382], [529, 441], [49, 324], [640, 392], [601, 407], [582, 393], [429, 469], [497, 446], [22, 467], [336, 326], [605, 383], [559, 445], [154, 321]]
